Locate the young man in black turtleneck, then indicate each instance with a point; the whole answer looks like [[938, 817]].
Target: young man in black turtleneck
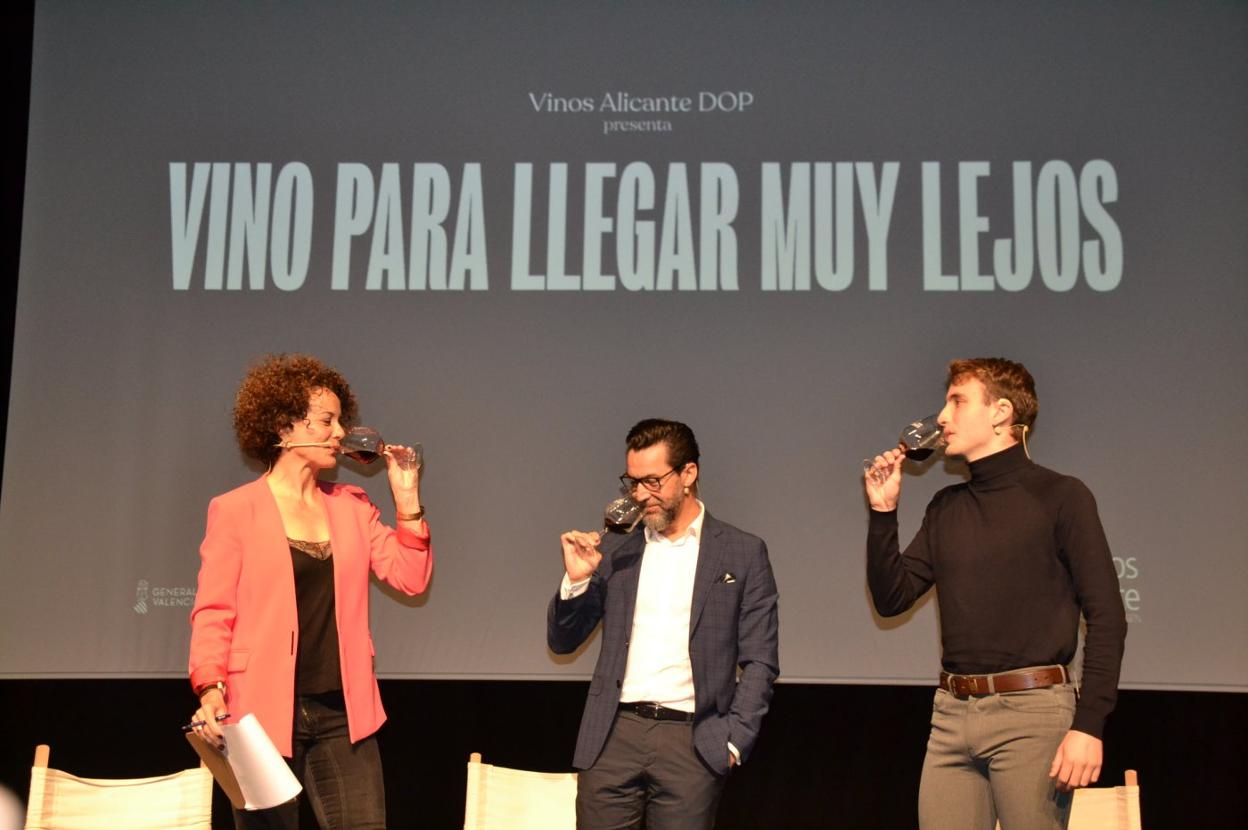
[[1017, 553]]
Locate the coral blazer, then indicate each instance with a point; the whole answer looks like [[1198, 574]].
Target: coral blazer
[[245, 627]]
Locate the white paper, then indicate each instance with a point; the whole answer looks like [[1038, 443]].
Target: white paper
[[262, 773]]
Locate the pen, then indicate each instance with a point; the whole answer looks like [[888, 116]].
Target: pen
[[197, 723]]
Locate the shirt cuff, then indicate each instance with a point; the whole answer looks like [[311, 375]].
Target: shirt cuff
[[409, 538], [571, 590], [882, 519], [736, 753]]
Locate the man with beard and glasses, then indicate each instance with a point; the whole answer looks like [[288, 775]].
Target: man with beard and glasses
[[684, 600]]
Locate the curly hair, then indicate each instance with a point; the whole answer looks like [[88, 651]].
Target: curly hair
[[1001, 379], [275, 394]]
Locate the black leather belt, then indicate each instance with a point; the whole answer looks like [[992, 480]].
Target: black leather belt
[[656, 712], [969, 685]]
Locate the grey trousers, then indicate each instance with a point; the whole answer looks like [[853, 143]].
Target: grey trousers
[[988, 758], [648, 768]]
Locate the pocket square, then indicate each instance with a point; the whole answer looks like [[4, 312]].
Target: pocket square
[[727, 578]]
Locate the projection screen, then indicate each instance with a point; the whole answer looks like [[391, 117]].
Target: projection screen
[[518, 228]]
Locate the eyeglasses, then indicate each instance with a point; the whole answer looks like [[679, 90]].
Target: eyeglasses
[[651, 483]]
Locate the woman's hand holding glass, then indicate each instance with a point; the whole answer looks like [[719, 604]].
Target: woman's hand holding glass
[[403, 466]]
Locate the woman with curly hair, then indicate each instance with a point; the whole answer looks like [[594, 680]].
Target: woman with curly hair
[[280, 623]]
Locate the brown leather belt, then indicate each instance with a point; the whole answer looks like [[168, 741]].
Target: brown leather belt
[[656, 712], [967, 685]]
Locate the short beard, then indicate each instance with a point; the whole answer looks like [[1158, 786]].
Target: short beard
[[661, 521]]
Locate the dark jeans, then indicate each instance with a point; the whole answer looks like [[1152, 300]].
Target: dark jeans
[[342, 781]]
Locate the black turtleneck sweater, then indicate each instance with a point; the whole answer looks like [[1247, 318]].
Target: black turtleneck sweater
[[1015, 553]]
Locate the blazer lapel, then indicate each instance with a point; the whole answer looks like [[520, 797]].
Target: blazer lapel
[[269, 536], [337, 513], [626, 561], [710, 559]]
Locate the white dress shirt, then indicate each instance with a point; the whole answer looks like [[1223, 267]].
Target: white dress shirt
[[658, 668]]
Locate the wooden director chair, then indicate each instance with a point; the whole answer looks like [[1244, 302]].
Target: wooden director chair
[[61, 801]]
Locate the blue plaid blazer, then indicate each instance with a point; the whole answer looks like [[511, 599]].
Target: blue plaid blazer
[[734, 622]]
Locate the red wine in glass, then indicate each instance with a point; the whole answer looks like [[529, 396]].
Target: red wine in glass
[[363, 444], [922, 438], [621, 516]]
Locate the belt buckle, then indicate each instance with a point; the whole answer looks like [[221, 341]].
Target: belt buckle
[[966, 685], [647, 710]]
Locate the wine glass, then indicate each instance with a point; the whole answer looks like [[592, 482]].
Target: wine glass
[[922, 437], [621, 515], [363, 444], [876, 476]]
